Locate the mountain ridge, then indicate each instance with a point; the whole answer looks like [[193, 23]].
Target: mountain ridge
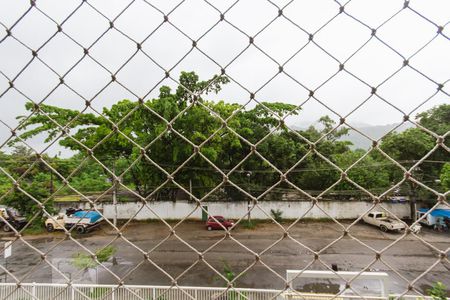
[[358, 140]]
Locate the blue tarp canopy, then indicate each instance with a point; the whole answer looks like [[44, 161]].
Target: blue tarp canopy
[[437, 212], [92, 215]]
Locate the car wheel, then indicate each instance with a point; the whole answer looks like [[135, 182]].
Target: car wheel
[[6, 228], [383, 228], [209, 228], [50, 228], [80, 229]]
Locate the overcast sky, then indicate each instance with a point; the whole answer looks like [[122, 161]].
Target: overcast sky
[[406, 33]]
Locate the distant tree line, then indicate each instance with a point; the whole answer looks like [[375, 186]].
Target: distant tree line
[[138, 142]]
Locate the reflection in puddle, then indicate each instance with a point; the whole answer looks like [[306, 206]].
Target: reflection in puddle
[[333, 286], [320, 288]]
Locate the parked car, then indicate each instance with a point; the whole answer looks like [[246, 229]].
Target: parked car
[[442, 224], [383, 221], [13, 218], [82, 220], [435, 217], [71, 210], [221, 221]]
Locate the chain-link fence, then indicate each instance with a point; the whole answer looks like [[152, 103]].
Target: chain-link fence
[[174, 145]]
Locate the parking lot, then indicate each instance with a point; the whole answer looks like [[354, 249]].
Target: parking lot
[[408, 257]]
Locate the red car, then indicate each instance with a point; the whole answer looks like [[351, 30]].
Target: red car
[[212, 224]]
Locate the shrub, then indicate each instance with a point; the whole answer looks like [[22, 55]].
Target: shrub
[[277, 215], [249, 224], [438, 291]]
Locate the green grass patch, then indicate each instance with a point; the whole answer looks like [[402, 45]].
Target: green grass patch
[[85, 261], [34, 229], [315, 220], [98, 292], [249, 224], [170, 221], [67, 198]]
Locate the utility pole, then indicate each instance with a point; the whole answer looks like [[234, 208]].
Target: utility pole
[[413, 201], [52, 189], [190, 189], [413, 195], [52, 186], [114, 194], [249, 173]]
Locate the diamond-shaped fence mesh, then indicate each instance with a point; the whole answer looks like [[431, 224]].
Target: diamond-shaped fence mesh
[[242, 144]]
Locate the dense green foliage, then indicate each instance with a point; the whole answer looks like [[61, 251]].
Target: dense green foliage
[[32, 187], [438, 291], [180, 128], [38, 182], [414, 144], [445, 177]]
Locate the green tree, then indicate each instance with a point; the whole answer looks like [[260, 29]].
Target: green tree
[[410, 145], [165, 147], [33, 182], [436, 119], [90, 178], [315, 173], [368, 173], [413, 144], [146, 126], [445, 177], [5, 184], [24, 198], [145, 139]]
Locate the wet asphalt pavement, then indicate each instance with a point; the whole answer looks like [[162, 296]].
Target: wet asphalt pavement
[[170, 256]]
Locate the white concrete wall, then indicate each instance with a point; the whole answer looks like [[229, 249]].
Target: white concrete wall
[[235, 210]]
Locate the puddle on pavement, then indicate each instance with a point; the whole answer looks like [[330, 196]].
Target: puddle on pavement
[[320, 288], [327, 286], [366, 287]]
